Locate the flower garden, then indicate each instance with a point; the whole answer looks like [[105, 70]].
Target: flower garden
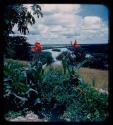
[[54, 94]]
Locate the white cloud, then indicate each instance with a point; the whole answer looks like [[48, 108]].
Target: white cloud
[[92, 23], [62, 23], [60, 8], [93, 29]]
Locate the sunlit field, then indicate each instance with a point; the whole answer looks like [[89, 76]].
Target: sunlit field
[[100, 77], [89, 75]]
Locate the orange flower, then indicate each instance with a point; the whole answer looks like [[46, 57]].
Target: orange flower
[[75, 44], [37, 43], [37, 47], [33, 49]]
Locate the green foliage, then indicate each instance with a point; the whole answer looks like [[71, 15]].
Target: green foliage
[[73, 70], [83, 103], [80, 54], [15, 71], [36, 70], [60, 56], [18, 14], [57, 96], [44, 57], [12, 114], [17, 48], [98, 61], [89, 106], [53, 84]]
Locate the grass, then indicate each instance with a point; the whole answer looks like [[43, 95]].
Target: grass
[[90, 76], [100, 77], [20, 61]]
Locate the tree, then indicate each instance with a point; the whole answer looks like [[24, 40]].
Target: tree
[[20, 49], [19, 14]]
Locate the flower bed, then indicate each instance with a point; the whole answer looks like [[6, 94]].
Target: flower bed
[[53, 94]]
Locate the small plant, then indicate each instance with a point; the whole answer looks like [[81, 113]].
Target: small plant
[[14, 77]]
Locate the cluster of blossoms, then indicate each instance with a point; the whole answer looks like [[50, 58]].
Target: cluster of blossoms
[[75, 44], [37, 47]]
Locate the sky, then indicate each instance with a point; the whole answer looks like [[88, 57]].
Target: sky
[[63, 23]]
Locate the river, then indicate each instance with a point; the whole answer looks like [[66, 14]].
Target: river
[[55, 54]]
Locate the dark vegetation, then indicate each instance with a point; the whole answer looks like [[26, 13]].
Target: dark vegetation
[[99, 61], [51, 94], [78, 52], [98, 52], [18, 14], [96, 48], [44, 56], [18, 48]]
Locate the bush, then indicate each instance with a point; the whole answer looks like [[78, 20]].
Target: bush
[[14, 76], [99, 60], [17, 48], [60, 56], [55, 97], [90, 105], [79, 52], [44, 57]]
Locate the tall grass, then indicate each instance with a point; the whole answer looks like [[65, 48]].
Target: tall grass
[[95, 76]]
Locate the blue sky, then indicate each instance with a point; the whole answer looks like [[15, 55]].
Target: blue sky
[[63, 23], [95, 10]]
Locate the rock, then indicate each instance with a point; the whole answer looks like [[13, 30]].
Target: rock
[[103, 91], [30, 117], [19, 118]]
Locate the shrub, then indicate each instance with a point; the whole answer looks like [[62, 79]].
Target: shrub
[[44, 57], [99, 61], [79, 52], [13, 114], [55, 98], [17, 48], [90, 105], [60, 56], [14, 75]]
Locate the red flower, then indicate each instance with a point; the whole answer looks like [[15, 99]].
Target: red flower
[[37, 47], [33, 49], [75, 44]]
